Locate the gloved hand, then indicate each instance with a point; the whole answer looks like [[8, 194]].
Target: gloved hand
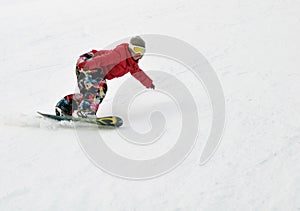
[[84, 65], [152, 86], [81, 65]]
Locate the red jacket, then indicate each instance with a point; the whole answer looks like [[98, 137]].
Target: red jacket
[[116, 63]]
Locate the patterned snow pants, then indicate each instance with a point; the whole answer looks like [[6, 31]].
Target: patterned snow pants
[[92, 86]]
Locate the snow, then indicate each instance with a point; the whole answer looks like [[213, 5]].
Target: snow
[[251, 45]]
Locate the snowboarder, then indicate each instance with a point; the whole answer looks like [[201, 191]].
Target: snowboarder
[[92, 71]]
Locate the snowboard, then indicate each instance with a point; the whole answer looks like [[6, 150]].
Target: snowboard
[[105, 122]]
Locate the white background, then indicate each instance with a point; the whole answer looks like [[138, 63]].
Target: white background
[[252, 45]]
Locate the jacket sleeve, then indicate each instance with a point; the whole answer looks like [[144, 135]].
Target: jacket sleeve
[[111, 57], [142, 77]]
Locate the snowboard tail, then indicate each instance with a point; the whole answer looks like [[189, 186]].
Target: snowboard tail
[[108, 121]]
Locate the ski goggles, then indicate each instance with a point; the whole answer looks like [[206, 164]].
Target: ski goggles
[[137, 49]]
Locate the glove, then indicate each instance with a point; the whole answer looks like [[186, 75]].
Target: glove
[[84, 66], [81, 65], [152, 86]]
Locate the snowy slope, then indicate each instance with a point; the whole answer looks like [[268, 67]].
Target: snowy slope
[[252, 46]]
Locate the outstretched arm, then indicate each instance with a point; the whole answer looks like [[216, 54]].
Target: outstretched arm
[[143, 78]]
